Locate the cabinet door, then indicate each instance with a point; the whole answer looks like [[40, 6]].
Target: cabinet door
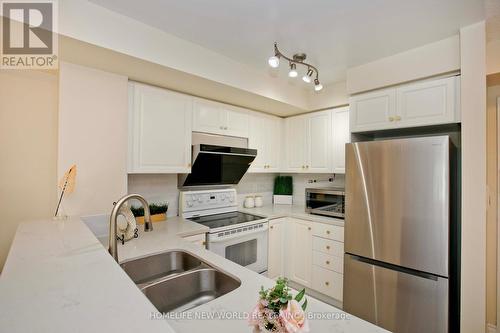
[[319, 145], [161, 131], [265, 136], [300, 252], [273, 152], [341, 136], [208, 117], [427, 103], [257, 138], [373, 111], [296, 144], [236, 122], [275, 262]]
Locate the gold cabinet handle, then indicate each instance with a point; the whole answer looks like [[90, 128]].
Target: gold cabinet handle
[[189, 165], [391, 118], [327, 283], [328, 247], [397, 118], [204, 243], [327, 262], [272, 227], [308, 228], [328, 232]]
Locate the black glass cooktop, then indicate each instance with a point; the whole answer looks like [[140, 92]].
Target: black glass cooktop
[[225, 219]]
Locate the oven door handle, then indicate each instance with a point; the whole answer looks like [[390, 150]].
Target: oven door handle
[[237, 235]]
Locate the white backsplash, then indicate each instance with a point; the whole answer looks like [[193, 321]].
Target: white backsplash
[[303, 181], [256, 184], [156, 188], [163, 187]]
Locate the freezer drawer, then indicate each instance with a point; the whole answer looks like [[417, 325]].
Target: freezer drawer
[[397, 202], [398, 301]]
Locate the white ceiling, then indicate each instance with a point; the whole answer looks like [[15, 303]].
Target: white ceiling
[[335, 34]]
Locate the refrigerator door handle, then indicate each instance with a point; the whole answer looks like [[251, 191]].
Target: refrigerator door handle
[[396, 268]]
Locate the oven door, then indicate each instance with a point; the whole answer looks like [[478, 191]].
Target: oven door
[[245, 247]]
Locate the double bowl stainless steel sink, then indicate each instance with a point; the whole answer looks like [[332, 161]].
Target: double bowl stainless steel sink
[[178, 280]]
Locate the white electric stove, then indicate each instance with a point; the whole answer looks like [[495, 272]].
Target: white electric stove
[[237, 236]]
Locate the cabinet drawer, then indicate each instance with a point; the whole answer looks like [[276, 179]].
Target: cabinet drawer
[[328, 231], [327, 282], [197, 239], [332, 263], [327, 246]]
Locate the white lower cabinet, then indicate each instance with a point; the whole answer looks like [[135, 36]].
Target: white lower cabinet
[[275, 261], [199, 239], [299, 253], [308, 253], [327, 282]]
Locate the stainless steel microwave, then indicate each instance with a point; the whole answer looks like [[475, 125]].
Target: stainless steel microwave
[[329, 201]]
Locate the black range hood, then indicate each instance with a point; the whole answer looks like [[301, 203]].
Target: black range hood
[[218, 165]]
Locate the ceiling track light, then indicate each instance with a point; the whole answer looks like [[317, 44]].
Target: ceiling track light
[[297, 59], [293, 70]]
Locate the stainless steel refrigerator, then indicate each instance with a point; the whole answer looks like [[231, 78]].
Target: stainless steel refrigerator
[[396, 264]]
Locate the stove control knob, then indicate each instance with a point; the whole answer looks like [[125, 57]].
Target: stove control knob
[[190, 203], [231, 199], [200, 199]]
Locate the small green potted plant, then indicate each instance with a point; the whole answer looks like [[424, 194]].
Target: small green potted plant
[[283, 190], [158, 212]]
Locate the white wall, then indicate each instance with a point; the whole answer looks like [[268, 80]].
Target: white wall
[[156, 188], [93, 135], [473, 101], [425, 61], [493, 57], [28, 150]]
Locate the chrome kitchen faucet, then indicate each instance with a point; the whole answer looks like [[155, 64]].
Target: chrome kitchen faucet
[[148, 226]]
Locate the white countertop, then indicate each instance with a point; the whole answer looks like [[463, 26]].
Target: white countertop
[[297, 211], [59, 278]]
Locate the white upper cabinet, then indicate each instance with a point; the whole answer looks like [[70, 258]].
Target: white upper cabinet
[[296, 143], [236, 122], [423, 103], [217, 118], [427, 103], [319, 142], [265, 136], [341, 136], [208, 117], [309, 143], [159, 130], [373, 110]]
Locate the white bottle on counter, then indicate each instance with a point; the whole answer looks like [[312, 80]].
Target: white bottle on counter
[[258, 201], [249, 202]]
